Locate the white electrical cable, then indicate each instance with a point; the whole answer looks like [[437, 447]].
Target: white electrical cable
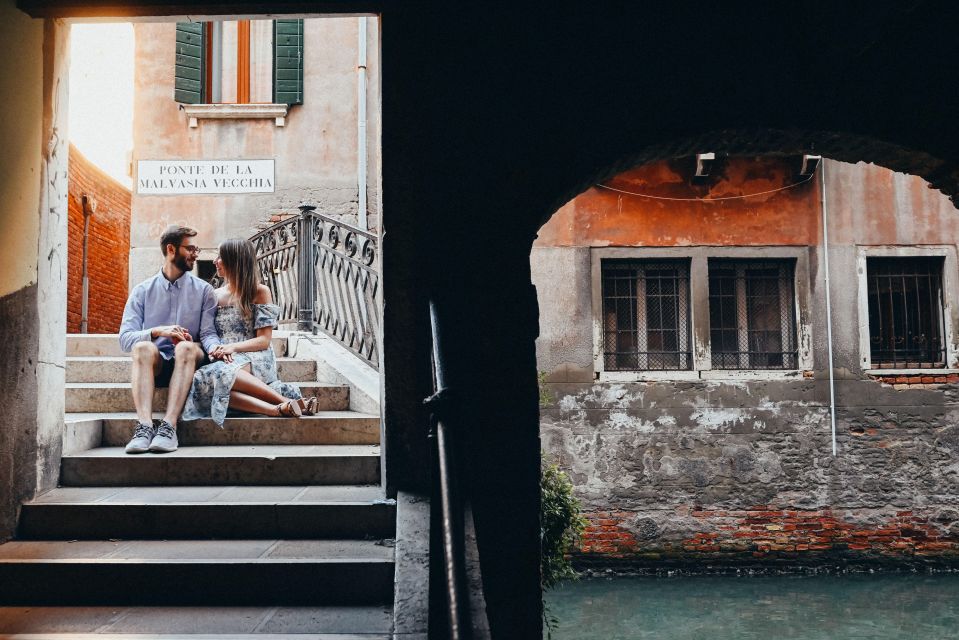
[[825, 243], [745, 195]]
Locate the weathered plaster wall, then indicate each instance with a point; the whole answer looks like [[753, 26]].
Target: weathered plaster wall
[[52, 256], [315, 152], [740, 470], [21, 85], [671, 472], [564, 349], [33, 262]]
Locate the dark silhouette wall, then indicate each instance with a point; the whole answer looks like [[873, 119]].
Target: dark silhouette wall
[[494, 115]]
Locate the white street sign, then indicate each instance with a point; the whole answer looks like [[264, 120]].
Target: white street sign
[[182, 177]]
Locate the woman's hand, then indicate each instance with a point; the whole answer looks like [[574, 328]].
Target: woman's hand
[[223, 352]]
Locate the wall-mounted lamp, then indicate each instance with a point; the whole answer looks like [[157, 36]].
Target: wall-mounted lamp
[[704, 164], [809, 164]]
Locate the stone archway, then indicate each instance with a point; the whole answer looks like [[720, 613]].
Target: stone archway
[[493, 117]]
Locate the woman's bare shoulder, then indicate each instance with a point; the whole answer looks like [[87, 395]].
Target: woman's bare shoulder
[[263, 295]]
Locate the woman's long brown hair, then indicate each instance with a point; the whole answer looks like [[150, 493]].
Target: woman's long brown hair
[[239, 262]]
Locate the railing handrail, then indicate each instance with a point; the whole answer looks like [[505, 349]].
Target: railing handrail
[[340, 223], [452, 508], [323, 275]]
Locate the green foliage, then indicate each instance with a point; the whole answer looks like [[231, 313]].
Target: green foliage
[[545, 395], [561, 524]]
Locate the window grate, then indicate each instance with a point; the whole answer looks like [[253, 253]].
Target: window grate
[[751, 314], [905, 313], [646, 315]]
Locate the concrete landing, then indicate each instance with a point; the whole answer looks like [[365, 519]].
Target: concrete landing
[[108, 344], [204, 636], [196, 623], [224, 465], [197, 572], [319, 512], [109, 397], [326, 427], [119, 368]]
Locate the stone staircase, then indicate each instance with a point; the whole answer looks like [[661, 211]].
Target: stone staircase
[[267, 527]]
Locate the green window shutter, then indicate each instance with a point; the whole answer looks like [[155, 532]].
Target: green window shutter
[[190, 63], [288, 61]]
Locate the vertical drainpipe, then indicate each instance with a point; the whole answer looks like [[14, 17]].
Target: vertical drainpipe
[[88, 206], [361, 160], [825, 242]]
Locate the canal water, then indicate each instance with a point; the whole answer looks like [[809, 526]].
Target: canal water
[[813, 607]]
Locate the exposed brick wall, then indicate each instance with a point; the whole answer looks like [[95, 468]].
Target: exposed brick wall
[[912, 380], [763, 533], [109, 247]]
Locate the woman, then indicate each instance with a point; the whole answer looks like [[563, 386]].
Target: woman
[[243, 373]]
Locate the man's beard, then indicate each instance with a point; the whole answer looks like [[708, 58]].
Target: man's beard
[[181, 263]]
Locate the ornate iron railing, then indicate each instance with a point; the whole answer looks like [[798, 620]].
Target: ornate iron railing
[[322, 273]]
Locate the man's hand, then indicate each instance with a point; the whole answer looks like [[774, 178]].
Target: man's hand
[[174, 332]]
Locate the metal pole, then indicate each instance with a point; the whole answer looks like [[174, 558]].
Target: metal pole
[[361, 159], [87, 206], [825, 243], [457, 596], [304, 257]]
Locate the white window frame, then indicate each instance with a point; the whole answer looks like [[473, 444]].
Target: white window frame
[[950, 290], [698, 257]]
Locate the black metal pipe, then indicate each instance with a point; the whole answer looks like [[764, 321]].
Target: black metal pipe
[[451, 504], [305, 276]]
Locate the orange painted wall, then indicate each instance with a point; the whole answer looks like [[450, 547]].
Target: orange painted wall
[[109, 247], [601, 218]]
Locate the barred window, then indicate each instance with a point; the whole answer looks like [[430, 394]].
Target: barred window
[[752, 314], [905, 312], [646, 315]]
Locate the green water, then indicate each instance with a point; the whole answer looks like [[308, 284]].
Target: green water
[[838, 607]]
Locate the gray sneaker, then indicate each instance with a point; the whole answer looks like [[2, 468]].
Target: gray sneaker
[[142, 437], [165, 439]]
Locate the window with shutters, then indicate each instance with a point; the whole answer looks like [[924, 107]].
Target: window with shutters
[[239, 62]]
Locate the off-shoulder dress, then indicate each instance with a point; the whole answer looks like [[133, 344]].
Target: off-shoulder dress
[[210, 393]]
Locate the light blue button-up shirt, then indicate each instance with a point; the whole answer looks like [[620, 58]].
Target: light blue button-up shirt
[[188, 302]]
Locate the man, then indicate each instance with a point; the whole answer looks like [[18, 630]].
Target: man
[[161, 320]]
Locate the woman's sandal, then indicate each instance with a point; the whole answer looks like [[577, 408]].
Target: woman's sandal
[[308, 405], [289, 409]]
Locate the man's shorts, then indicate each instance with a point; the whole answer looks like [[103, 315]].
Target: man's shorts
[[162, 379]]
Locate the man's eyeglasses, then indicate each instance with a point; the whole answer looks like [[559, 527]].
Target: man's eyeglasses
[[192, 248]]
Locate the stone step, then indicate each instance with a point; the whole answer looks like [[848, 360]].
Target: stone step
[[116, 397], [196, 572], [118, 369], [108, 344], [199, 611], [326, 427], [314, 512], [224, 465], [372, 622]]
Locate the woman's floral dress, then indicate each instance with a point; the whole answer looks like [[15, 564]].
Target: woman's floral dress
[[210, 394]]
